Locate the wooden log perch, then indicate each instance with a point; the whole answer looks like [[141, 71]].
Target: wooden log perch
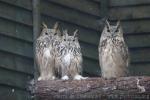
[[94, 88]]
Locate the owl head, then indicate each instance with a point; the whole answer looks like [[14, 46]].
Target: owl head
[[50, 32], [70, 40], [111, 31]]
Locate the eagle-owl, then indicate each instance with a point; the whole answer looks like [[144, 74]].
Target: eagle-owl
[[113, 52], [45, 53], [69, 57]]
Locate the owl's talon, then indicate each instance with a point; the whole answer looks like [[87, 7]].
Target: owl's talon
[[53, 77], [79, 77], [40, 78], [65, 77]]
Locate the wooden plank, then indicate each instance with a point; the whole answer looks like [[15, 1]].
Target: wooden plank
[[16, 46], [89, 51], [128, 2], [141, 40], [69, 15], [10, 93], [90, 8], [140, 69], [16, 14], [16, 30], [13, 78], [26, 4], [91, 66], [136, 26], [140, 55], [125, 13], [16, 63]]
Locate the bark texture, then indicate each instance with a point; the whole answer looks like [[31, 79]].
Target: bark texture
[[94, 88]]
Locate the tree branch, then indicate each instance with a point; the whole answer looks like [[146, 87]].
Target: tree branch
[[94, 88]]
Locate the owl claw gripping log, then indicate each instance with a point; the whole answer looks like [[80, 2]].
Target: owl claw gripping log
[[45, 52], [113, 52]]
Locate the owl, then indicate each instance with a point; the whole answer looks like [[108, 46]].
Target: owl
[[45, 53], [69, 57], [113, 52]]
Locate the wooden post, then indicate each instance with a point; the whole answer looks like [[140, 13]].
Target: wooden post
[[124, 88], [36, 30]]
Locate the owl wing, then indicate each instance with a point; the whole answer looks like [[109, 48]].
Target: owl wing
[[125, 54], [41, 44], [38, 51], [102, 44], [59, 54], [79, 58]]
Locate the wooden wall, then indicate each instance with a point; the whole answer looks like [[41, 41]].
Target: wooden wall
[[16, 54], [16, 36]]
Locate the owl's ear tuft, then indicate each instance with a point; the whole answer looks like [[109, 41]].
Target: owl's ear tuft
[[56, 25], [118, 24], [65, 32], [107, 24], [44, 25], [75, 33]]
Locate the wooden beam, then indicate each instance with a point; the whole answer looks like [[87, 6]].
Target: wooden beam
[[16, 63], [36, 30], [26, 4], [16, 46], [16, 14], [69, 15], [128, 2], [91, 7], [94, 88], [17, 30], [128, 13]]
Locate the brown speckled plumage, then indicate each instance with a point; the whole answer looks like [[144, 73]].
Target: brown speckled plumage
[[113, 52], [69, 57], [45, 53]]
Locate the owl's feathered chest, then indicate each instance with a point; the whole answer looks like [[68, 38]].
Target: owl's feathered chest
[[43, 46], [112, 44], [114, 50]]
